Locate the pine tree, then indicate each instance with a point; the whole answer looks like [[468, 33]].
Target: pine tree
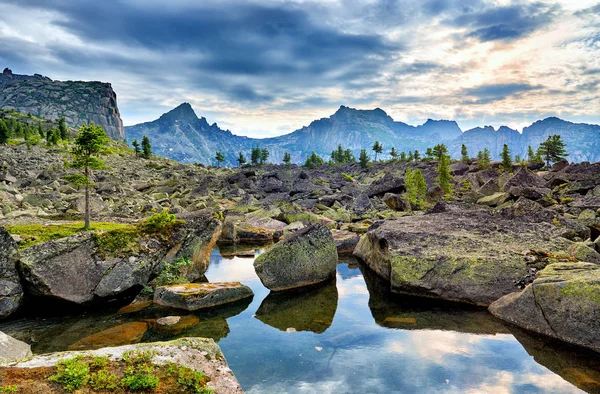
[[394, 154], [439, 150], [40, 130], [62, 128], [349, 156], [506, 160], [530, 154], [403, 156], [429, 154], [136, 147], [241, 159], [287, 158], [255, 156], [363, 159], [444, 177], [264, 155], [4, 132], [484, 159], [410, 157], [553, 149], [416, 187], [417, 155], [464, 154], [377, 148], [313, 160], [146, 147], [219, 157], [89, 145]]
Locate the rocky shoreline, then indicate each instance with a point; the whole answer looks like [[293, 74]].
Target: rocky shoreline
[[525, 243]]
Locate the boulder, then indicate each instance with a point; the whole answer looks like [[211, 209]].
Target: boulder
[[489, 188], [196, 296], [587, 202], [532, 193], [396, 202], [198, 354], [583, 252], [307, 257], [12, 349], [361, 203], [494, 200], [458, 169], [524, 178], [386, 184], [560, 165], [345, 241], [11, 292], [563, 303], [472, 256]]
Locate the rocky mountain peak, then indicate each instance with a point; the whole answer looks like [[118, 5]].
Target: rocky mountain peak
[[182, 113]]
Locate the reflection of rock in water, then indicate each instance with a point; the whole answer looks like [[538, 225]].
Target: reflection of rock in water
[[578, 366], [229, 251], [307, 309], [59, 333], [413, 313], [123, 334]]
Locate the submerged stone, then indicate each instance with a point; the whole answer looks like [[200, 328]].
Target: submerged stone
[[12, 349], [124, 334]]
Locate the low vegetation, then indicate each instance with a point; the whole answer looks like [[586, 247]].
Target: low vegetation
[[136, 372]]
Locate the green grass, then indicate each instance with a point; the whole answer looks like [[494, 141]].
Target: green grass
[[37, 233]]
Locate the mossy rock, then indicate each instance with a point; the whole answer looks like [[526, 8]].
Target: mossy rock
[[563, 303], [307, 257]]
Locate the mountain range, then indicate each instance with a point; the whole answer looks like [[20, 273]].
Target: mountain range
[[181, 135]]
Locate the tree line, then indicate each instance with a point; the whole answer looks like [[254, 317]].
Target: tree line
[[11, 128]]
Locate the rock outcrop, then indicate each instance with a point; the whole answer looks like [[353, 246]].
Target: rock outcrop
[[472, 256], [12, 349], [563, 302], [11, 292], [79, 102], [198, 354], [307, 257], [78, 270], [194, 296]]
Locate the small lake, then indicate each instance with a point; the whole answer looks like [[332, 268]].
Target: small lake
[[349, 335]]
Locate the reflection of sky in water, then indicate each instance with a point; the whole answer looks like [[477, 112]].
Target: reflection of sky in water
[[358, 356]]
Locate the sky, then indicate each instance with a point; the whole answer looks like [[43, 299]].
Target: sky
[[268, 67]]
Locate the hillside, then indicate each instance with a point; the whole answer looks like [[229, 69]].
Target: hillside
[[180, 135], [79, 102]]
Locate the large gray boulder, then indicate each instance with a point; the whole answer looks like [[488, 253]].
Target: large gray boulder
[[307, 257], [12, 349], [473, 256], [11, 292], [194, 296], [563, 303], [198, 354], [77, 268]]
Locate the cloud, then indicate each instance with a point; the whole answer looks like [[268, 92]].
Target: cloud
[[497, 92], [507, 23]]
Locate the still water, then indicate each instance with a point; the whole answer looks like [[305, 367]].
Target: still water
[[349, 336]]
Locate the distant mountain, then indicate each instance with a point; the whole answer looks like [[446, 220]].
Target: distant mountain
[[181, 135], [79, 102]]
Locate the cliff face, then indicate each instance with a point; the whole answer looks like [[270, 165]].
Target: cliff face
[[79, 102]]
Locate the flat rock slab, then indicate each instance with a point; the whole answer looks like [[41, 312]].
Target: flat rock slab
[[473, 256], [563, 302], [199, 354], [12, 349], [195, 296]]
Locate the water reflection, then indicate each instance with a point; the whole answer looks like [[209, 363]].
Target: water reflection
[[308, 309], [353, 336]]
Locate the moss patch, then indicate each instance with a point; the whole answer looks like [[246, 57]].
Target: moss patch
[[32, 234]]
